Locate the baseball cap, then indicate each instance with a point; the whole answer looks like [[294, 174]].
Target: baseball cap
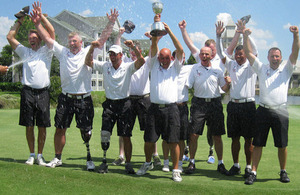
[[116, 49]]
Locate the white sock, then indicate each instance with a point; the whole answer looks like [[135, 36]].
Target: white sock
[[236, 165], [147, 163], [39, 155], [220, 162], [32, 154], [192, 161], [254, 172], [180, 163], [248, 166]]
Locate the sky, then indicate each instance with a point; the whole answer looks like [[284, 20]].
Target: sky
[[269, 23]]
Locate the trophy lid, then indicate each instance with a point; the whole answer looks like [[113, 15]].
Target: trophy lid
[[157, 7]]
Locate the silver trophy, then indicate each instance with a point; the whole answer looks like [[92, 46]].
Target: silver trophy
[[246, 19], [157, 28]]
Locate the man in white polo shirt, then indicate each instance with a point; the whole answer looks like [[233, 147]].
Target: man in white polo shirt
[[206, 106], [272, 111], [241, 108], [75, 98], [117, 106], [35, 97], [163, 114]]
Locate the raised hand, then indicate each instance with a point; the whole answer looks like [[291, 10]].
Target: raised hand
[[113, 15], [219, 28], [247, 32], [37, 6], [35, 16], [294, 29], [166, 27], [147, 34], [129, 43], [182, 24], [241, 26]]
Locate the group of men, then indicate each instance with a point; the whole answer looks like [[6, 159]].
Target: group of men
[[155, 89]]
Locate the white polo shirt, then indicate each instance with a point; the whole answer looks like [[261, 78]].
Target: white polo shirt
[[206, 81], [140, 83], [116, 82], [74, 74], [243, 79], [183, 91], [163, 82], [273, 84], [36, 66]]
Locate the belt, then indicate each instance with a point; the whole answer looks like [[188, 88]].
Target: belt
[[273, 107], [139, 96], [244, 100], [118, 100], [35, 90], [164, 105], [78, 97], [181, 103], [208, 99]]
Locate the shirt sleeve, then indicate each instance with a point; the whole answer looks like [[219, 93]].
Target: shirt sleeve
[[196, 56], [98, 65], [58, 50], [21, 51]]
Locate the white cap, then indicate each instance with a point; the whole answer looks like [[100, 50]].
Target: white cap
[[116, 49]]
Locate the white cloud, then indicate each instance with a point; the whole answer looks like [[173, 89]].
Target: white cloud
[[5, 25], [87, 12], [224, 17], [287, 26], [198, 37]]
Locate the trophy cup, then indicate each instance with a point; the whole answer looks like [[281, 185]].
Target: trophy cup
[[157, 28]]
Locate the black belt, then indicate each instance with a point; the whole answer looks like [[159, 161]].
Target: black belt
[[119, 100], [35, 90], [209, 99], [139, 96], [164, 105]]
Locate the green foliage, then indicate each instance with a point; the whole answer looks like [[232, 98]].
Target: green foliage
[[191, 60], [55, 67], [54, 89], [294, 91], [7, 86], [8, 101]]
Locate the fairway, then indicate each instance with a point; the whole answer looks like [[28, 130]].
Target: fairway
[[72, 178]]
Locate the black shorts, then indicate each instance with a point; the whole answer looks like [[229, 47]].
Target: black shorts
[[139, 108], [117, 111], [210, 112], [163, 120], [277, 120], [35, 107], [241, 119], [82, 108], [184, 121]]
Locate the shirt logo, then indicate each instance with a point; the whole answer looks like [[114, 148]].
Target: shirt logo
[[198, 72]]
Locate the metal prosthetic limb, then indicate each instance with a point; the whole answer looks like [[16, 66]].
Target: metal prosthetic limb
[[105, 141], [86, 136]]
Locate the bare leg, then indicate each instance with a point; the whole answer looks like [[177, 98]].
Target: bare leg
[[282, 156], [193, 145], [41, 139], [256, 155], [174, 154], [248, 148], [235, 149], [127, 148], [59, 140], [30, 138], [218, 146]]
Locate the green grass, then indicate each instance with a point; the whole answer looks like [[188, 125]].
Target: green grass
[[72, 178]]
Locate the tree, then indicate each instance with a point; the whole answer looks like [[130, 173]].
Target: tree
[[191, 60]]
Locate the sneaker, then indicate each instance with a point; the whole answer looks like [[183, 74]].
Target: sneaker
[[283, 177], [185, 158], [234, 170], [54, 163], [211, 160], [191, 168], [30, 160], [222, 169], [156, 160], [129, 169], [166, 168], [176, 176], [90, 166], [41, 161], [251, 179], [119, 161], [144, 168], [103, 168], [247, 172]]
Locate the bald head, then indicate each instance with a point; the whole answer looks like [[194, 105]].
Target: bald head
[[205, 56], [164, 57]]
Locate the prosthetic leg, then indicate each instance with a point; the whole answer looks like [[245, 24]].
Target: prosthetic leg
[[105, 141], [86, 136]]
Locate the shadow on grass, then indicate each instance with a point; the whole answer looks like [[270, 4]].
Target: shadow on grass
[[13, 160]]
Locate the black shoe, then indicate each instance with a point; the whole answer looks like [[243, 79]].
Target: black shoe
[[283, 177], [222, 169], [247, 172], [191, 168], [234, 170], [129, 169], [103, 168], [251, 179]]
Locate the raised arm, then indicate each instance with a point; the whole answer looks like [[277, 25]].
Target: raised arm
[[140, 59], [109, 27], [11, 36], [296, 44], [38, 7], [178, 46], [186, 37], [118, 39], [36, 18], [219, 30], [89, 56], [235, 38], [247, 48]]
